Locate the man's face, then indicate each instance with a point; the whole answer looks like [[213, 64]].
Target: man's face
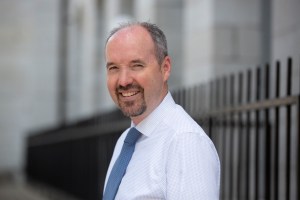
[[135, 80]]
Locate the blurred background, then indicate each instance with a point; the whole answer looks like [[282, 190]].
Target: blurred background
[[52, 69]]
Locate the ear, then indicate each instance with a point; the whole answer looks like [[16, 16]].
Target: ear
[[166, 68]]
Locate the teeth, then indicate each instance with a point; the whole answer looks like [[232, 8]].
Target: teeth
[[128, 94]]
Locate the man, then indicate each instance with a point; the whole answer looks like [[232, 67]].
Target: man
[[173, 157]]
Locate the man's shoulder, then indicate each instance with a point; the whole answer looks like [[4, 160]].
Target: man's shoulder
[[181, 121]]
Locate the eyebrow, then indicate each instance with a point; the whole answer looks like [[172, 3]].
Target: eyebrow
[[131, 62], [109, 64], [137, 61]]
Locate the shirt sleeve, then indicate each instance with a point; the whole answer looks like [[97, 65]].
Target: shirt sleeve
[[193, 168]]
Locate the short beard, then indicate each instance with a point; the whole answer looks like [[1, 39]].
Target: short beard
[[128, 111], [132, 108]]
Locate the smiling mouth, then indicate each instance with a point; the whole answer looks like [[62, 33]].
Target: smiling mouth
[[128, 94]]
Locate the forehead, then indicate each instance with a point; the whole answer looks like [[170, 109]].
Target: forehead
[[132, 36], [132, 42], [133, 30]]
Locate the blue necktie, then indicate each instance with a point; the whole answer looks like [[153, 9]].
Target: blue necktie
[[120, 165]]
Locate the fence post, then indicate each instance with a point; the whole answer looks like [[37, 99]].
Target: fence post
[[240, 136], [276, 142], [231, 135], [257, 122], [248, 99], [267, 138]]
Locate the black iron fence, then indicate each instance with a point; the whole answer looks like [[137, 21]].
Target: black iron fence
[[75, 158], [252, 117]]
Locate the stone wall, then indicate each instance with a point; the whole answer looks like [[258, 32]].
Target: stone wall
[[28, 74]]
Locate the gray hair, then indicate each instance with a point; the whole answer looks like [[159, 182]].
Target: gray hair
[[157, 35]]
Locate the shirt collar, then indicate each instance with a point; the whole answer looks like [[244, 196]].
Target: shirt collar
[[148, 124]]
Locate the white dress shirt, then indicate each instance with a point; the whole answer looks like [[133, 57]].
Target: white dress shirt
[[174, 159]]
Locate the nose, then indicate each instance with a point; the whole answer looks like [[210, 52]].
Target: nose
[[125, 78]]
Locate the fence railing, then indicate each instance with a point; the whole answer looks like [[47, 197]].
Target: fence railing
[[256, 135], [251, 118]]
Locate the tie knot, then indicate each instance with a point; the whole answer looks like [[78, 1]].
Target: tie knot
[[132, 136]]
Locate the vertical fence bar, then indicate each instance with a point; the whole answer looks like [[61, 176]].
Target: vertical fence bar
[[257, 122], [248, 99], [183, 98], [217, 103], [224, 147], [194, 100], [217, 119], [204, 92], [231, 144], [212, 107], [187, 98], [201, 96], [210, 126], [288, 129], [267, 138], [190, 100], [276, 139], [240, 139], [198, 98]]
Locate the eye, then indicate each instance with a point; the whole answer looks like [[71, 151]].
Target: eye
[[112, 68], [137, 66]]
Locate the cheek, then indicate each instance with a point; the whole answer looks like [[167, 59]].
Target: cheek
[[154, 86]]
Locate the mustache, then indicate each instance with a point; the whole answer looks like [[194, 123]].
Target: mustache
[[128, 87]]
